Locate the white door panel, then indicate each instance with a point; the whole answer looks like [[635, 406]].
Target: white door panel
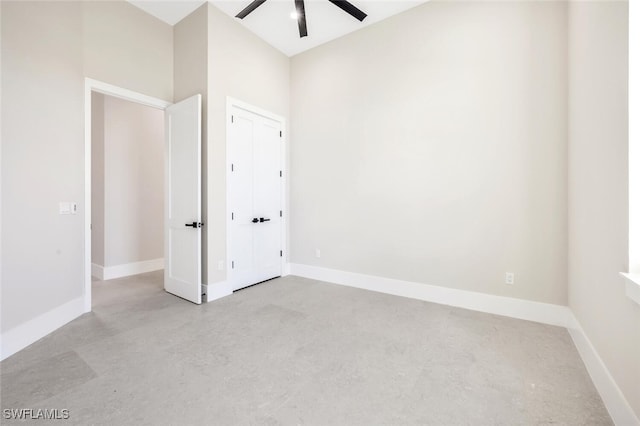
[[241, 198], [267, 200], [182, 273], [255, 199]]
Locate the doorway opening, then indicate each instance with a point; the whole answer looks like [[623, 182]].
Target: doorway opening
[[124, 183], [127, 188]]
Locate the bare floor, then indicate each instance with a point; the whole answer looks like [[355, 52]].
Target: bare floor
[[297, 351]]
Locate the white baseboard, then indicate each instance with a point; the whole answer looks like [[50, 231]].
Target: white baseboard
[[25, 334], [216, 291], [97, 271], [516, 308], [127, 269], [619, 409]]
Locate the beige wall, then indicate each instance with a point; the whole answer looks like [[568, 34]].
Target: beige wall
[[97, 179], [246, 68], [1, 175], [598, 200], [47, 50], [133, 186], [190, 52], [634, 137], [127, 47], [431, 147], [42, 157]]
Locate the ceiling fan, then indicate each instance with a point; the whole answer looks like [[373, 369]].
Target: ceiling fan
[[300, 15]]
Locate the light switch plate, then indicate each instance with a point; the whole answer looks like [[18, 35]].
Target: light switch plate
[[65, 207], [68, 207]]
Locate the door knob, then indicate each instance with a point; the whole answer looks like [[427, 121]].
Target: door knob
[[262, 219], [255, 220], [194, 224]]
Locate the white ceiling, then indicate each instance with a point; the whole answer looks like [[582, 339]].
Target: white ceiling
[[272, 21], [169, 11]]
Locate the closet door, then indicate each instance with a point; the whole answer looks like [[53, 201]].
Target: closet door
[[255, 199]]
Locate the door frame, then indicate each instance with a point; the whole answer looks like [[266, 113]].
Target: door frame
[[284, 193], [91, 85]]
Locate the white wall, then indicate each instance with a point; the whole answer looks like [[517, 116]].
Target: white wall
[[127, 47], [431, 147], [1, 176], [246, 68], [598, 200], [47, 50], [42, 157], [132, 165], [97, 179], [634, 137]]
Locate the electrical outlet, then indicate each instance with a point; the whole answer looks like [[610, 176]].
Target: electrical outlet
[[509, 278], [318, 253], [220, 265]]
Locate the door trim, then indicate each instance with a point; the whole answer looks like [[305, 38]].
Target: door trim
[[91, 85], [284, 184]]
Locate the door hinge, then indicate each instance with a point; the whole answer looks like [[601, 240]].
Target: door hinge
[[232, 118], [233, 264], [231, 215], [231, 166], [280, 173], [280, 133], [280, 213], [280, 253]]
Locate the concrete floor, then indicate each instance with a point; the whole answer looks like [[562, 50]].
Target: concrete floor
[[297, 351]]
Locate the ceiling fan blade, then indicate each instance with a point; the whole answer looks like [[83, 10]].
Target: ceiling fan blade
[[302, 18], [350, 9], [247, 10]]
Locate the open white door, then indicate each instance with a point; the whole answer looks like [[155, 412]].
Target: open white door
[[183, 223]]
